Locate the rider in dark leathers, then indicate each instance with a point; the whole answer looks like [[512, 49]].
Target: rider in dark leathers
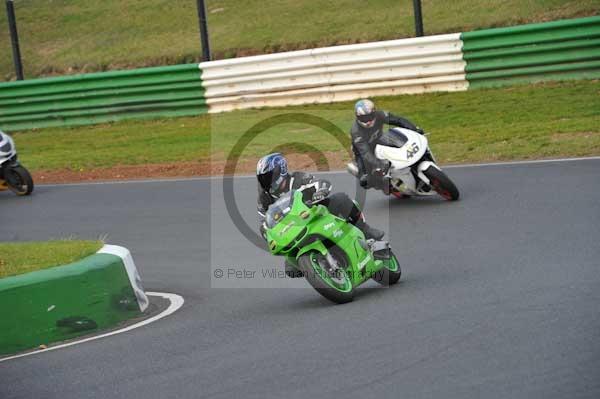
[[366, 132], [274, 180]]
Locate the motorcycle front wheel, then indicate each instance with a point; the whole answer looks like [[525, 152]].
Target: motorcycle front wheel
[[442, 183], [333, 282], [390, 273], [18, 180]]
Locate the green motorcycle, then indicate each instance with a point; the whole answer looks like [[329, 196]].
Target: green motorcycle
[[331, 253]]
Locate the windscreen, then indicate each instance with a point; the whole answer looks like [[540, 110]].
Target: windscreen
[[279, 209], [393, 138]]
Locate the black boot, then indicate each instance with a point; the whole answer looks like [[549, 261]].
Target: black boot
[[370, 232], [363, 180]]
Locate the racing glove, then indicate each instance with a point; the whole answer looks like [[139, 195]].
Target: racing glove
[[382, 167], [320, 194]]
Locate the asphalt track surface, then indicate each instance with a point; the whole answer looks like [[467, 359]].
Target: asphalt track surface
[[500, 296]]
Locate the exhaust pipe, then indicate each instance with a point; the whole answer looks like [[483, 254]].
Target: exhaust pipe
[[352, 169]]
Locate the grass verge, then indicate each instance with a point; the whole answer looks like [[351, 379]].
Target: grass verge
[[557, 119], [69, 36], [24, 257]]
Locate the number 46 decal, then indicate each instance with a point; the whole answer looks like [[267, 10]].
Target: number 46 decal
[[410, 152]]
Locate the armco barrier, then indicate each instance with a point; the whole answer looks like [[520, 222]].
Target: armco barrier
[[338, 73], [63, 302], [568, 49], [102, 97]]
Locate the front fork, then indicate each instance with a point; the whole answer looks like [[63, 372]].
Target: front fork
[[9, 163], [3, 184], [423, 166], [427, 161]]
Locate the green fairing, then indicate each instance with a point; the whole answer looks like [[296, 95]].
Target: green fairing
[[285, 239], [64, 302]]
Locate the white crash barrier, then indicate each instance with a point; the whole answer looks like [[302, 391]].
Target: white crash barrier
[[337, 73]]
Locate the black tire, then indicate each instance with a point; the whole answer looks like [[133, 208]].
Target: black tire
[[18, 180], [442, 183], [317, 282], [387, 277]]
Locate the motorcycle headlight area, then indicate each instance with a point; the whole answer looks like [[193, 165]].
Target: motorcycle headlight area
[[279, 209], [6, 147]]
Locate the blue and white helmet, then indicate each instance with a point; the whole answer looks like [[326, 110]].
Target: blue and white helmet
[[365, 112], [271, 172]]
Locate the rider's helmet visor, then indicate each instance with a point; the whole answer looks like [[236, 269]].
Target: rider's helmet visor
[[366, 118], [265, 180], [272, 183]]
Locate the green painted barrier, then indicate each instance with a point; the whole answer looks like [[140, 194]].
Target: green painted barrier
[[64, 302], [558, 50], [566, 49], [102, 97]]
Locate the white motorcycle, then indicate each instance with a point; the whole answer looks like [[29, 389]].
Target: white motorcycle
[[13, 175], [413, 170]]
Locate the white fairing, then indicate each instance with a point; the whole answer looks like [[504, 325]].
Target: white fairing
[[7, 148], [404, 159], [408, 154]]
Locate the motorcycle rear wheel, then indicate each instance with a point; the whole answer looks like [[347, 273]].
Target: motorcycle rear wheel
[[442, 184], [18, 180], [335, 286]]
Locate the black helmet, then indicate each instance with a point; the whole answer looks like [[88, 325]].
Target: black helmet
[[271, 172]]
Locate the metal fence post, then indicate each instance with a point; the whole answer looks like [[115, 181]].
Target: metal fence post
[[203, 30], [418, 18], [14, 38]]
